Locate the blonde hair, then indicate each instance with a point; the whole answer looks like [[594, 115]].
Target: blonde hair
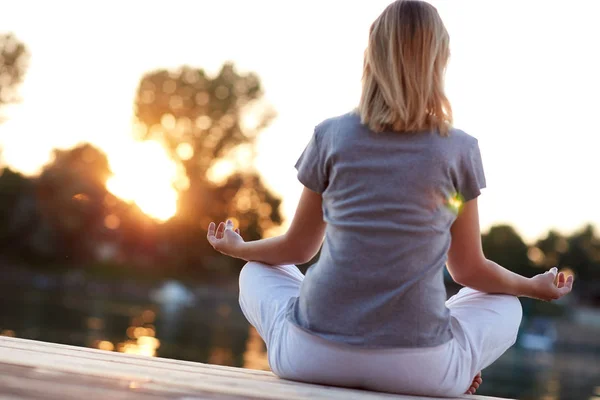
[[404, 66]]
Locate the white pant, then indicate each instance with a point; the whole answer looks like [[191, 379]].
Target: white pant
[[484, 327]]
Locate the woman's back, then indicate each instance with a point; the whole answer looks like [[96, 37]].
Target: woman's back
[[389, 203]]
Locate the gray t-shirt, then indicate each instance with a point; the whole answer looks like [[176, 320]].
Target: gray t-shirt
[[388, 204]]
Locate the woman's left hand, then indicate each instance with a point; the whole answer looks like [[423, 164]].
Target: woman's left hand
[[225, 239]]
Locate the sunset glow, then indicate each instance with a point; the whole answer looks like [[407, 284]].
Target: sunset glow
[[144, 174], [489, 64]]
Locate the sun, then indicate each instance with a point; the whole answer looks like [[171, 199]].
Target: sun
[[144, 174]]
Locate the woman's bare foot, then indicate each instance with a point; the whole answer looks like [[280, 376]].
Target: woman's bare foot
[[475, 385]]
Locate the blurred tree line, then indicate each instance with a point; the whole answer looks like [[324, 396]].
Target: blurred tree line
[[578, 253], [65, 217]]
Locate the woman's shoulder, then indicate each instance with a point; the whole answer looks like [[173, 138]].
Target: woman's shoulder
[[343, 121], [351, 121], [461, 137], [451, 147], [456, 146]]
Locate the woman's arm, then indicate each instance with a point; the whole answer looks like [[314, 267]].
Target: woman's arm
[[298, 245], [469, 267]]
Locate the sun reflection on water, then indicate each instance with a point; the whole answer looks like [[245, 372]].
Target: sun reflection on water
[[141, 337], [105, 345], [255, 356], [220, 356], [7, 332]]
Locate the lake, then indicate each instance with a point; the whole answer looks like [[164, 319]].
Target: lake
[[206, 325]]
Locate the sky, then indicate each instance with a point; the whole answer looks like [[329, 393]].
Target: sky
[[523, 79]]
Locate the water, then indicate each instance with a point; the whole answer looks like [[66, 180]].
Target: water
[[206, 325]]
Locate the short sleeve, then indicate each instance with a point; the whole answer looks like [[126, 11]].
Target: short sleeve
[[471, 177], [311, 170]]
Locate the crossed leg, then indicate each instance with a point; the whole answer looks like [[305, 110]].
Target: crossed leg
[[485, 325]]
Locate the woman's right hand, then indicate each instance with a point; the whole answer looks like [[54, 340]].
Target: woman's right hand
[[225, 239], [548, 286]]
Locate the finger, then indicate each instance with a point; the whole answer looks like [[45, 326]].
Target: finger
[[229, 224], [563, 291], [220, 230], [238, 231], [475, 385], [568, 286], [552, 275], [211, 229], [211, 234], [569, 281], [561, 280]]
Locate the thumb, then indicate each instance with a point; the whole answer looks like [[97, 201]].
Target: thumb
[[553, 272]]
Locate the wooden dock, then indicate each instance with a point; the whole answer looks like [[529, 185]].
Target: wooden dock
[[39, 370]]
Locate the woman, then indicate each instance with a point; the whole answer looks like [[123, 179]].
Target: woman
[[393, 188]]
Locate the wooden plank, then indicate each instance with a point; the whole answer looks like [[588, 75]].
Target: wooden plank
[[178, 379], [161, 364], [147, 366], [55, 348], [28, 382], [31, 369]]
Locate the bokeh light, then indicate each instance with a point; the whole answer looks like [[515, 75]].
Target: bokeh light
[[111, 221], [535, 255], [220, 171], [185, 151], [106, 345]]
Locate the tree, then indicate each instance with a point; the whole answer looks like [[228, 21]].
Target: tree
[[582, 255], [18, 212], [503, 245], [67, 216], [71, 192], [87, 223], [17, 205], [551, 249], [13, 64], [201, 121]]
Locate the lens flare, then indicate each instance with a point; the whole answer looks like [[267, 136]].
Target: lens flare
[[455, 202]]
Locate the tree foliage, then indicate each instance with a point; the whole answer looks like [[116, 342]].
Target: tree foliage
[[14, 59], [503, 245], [67, 215], [201, 121]]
